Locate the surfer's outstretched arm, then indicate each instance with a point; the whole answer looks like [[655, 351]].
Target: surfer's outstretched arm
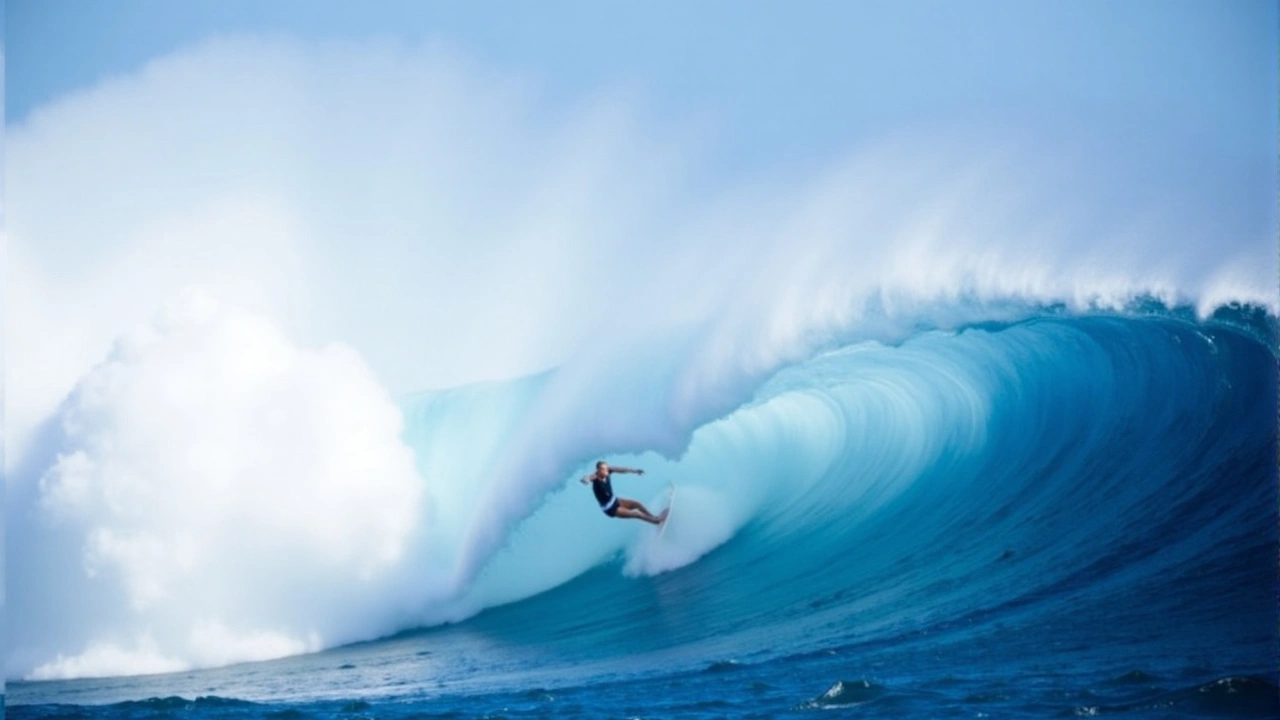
[[633, 471]]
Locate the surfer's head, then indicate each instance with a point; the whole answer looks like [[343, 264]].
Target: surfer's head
[[602, 466]]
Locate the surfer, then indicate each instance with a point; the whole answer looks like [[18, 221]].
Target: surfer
[[612, 505]]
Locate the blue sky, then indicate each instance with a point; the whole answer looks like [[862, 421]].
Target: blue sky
[[784, 82]]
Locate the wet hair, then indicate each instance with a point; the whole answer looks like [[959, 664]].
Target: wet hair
[[599, 463]]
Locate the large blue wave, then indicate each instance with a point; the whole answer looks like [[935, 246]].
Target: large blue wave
[[1096, 491], [1105, 478], [1110, 475]]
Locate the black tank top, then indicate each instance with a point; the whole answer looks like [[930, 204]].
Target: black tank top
[[603, 489]]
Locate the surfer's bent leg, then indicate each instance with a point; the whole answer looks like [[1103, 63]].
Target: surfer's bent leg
[[633, 505], [633, 509]]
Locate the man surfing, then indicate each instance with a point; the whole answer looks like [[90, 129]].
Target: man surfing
[[612, 505]]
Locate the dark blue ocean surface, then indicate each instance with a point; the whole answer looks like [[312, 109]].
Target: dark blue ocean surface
[[1065, 516]]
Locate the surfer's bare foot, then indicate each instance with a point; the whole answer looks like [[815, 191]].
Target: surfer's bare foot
[[663, 517]]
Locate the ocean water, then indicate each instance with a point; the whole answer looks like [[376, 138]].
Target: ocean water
[[1065, 514]]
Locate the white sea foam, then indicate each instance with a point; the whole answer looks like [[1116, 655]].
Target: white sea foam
[[209, 468], [703, 524]]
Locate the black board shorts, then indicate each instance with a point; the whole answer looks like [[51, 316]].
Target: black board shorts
[[610, 509]]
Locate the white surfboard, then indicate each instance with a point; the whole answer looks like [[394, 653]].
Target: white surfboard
[[671, 499]]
